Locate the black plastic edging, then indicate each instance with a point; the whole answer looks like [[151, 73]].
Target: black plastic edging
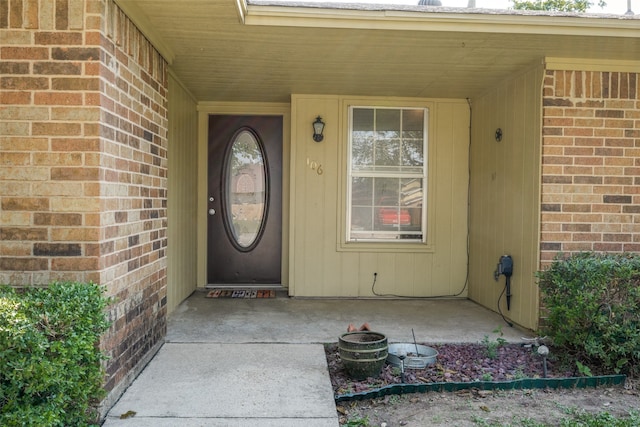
[[524, 383]]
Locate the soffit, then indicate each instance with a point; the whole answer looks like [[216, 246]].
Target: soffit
[[264, 53]]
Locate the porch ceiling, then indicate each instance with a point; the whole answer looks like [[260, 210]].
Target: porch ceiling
[[270, 52]]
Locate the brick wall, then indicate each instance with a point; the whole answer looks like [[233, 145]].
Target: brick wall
[[590, 163], [49, 122], [134, 84], [83, 127]]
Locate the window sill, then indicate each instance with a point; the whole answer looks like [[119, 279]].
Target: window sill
[[385, 247]]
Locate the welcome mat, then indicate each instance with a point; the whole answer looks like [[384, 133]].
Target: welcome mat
[[241, 293]]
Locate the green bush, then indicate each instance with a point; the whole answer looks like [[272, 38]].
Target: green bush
[[593, 305], [50, 362]]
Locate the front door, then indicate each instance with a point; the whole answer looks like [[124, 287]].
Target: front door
[[245, 200]]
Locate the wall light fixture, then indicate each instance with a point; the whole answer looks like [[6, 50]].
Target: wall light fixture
[[318, 128]]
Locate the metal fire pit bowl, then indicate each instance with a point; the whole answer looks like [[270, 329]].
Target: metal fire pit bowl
[[426, 355]]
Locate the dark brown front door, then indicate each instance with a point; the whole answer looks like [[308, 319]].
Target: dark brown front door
[[245, 200]]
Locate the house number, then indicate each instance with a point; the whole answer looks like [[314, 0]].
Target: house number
[[313, 165]]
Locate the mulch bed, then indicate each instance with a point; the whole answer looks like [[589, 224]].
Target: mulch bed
[[454, 363]]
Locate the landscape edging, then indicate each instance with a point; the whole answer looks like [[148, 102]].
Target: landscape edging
[[519, 384]]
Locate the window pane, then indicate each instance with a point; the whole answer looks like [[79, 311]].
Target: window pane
[[362, 120], [362, 137], [388, 123], [362, 151], [387, 174], [386, 191], [414, 220], [398, 204], [413, 121], [411, 192], [411, 201], [387, 152], [362, 191], [412, 152], [361, 219], [245, 191]]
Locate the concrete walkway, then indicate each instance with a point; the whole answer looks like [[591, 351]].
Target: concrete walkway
[[231, 385], [260, 362]]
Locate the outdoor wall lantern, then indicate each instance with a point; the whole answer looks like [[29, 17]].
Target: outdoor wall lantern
[[318, 128]]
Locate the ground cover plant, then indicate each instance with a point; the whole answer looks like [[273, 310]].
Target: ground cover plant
[[50, 362]]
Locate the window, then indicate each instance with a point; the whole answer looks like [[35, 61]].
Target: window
[[387, 174]]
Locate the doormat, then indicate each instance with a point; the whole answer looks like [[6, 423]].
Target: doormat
[[242, 293]]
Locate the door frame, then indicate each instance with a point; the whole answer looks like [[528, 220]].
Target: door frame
[[240, 108]]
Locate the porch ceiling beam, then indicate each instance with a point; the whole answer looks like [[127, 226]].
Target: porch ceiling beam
[[580, 64], [413, 18]]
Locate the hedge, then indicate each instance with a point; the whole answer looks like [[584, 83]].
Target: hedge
[[51, 370], [593, 309]]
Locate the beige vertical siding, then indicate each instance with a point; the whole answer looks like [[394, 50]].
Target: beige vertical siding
[[182, 231], [505, 195], [319, 264]]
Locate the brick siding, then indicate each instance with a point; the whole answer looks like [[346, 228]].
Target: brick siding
[[590, 163], [49, 179], [83, 177]]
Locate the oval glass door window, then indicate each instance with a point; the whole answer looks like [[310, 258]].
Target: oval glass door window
[[246, 190]]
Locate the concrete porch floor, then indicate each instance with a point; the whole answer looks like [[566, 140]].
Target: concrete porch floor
[[260, 362], [313, 320]]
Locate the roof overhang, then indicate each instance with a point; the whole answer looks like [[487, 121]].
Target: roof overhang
[[424, 18], [265, 50]]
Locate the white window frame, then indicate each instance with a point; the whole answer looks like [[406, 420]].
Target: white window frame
[[372, 243]]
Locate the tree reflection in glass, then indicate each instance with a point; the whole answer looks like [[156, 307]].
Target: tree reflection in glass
[[246, 189]]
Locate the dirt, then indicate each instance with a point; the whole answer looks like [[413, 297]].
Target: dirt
[[484, 408], [475, 407]]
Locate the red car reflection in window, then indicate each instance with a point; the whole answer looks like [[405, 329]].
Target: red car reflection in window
[[390, 216]]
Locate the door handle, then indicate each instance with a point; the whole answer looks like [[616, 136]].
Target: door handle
[[212, 211]]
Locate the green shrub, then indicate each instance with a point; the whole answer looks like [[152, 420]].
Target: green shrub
[[593, 304], [50, 363]]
